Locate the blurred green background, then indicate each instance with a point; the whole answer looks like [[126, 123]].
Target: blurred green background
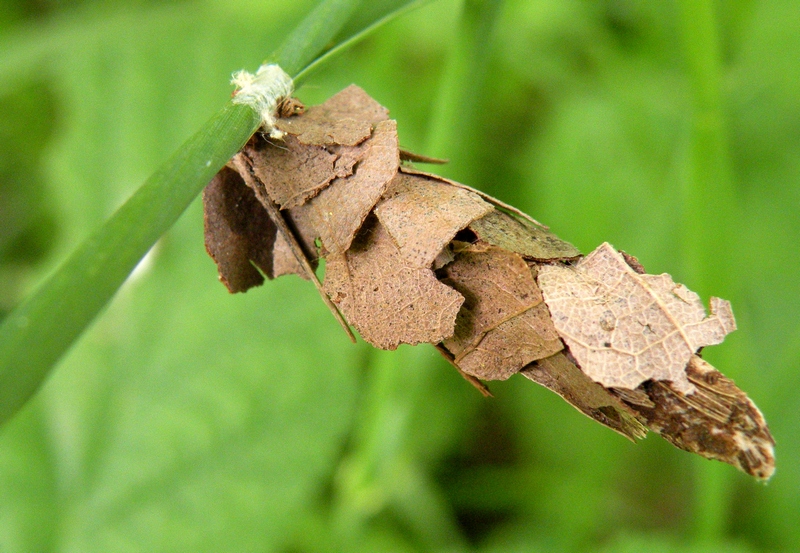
[[188, 419]]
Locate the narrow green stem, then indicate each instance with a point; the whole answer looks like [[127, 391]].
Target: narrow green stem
[[54, 316], [709, 195], [347, 40], [313, 34]]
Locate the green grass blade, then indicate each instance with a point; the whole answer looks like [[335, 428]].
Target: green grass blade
[[365, 22], [313, 34], [38, 332], [35, 335]]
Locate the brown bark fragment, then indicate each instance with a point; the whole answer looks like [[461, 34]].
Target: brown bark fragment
[[563, 377], [504, 323], [339, 210], [346, 118], [624, 327], [239, 235], [412, 203], [521, 236], [717, 421], [387, 300]]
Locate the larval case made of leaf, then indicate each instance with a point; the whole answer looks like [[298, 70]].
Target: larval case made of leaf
[[415, 258]]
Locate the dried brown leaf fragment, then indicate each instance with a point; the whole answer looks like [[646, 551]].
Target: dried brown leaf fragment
[[494, 201], [284, 262], [290, 171], [504, 323], [243, 163], [239, 235], [281, 259], [521, 236], [347, 118], [624, 327], [559, 374], [339, 210], [413, 202], [388, 300]]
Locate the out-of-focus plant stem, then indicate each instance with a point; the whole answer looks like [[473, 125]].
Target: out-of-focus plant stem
[[709, 205]]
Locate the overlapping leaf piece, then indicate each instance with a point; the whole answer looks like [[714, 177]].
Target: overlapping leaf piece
[[624, 327], [389, 300], [239, 234], [339, 210], [504, 324], [412, 258], [565, 378], [415, 202]]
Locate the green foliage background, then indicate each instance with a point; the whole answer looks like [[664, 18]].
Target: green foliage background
[[187, 419]]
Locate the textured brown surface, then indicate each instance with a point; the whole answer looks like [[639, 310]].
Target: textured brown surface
[[238, 232], [387, 300], [284, 261], [521, 236], [413, 202], [290, 171], [346, 118], [413, 257], [339, 210], [281, 259], [717, 420], [409, 170], [347, 157], [504, 323], [624, 327]]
